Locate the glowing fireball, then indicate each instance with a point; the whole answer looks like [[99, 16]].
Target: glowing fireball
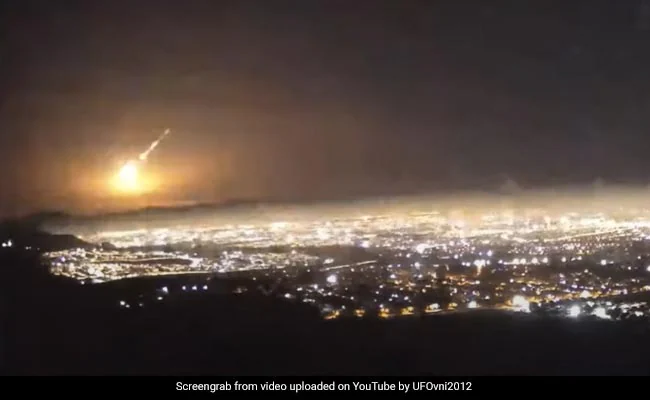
[[127, 178]]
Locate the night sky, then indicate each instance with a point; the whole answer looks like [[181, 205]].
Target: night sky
[[307, 100]]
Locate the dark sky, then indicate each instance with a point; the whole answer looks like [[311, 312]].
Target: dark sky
[[319, 99]]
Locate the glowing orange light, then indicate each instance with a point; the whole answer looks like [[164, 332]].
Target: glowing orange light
[[127, 179]]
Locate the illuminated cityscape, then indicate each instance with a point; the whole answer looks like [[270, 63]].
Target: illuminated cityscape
[[398, 264], [424, 190]]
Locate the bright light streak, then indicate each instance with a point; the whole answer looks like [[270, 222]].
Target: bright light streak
[[127, 180], [145, 154]]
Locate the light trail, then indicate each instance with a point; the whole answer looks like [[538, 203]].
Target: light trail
[[349, 265], [145, 154]]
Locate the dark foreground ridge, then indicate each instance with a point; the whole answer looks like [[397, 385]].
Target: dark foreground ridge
[[56, 326]]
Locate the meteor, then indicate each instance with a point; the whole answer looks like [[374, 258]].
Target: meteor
[[143, 156], [127, 180]]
